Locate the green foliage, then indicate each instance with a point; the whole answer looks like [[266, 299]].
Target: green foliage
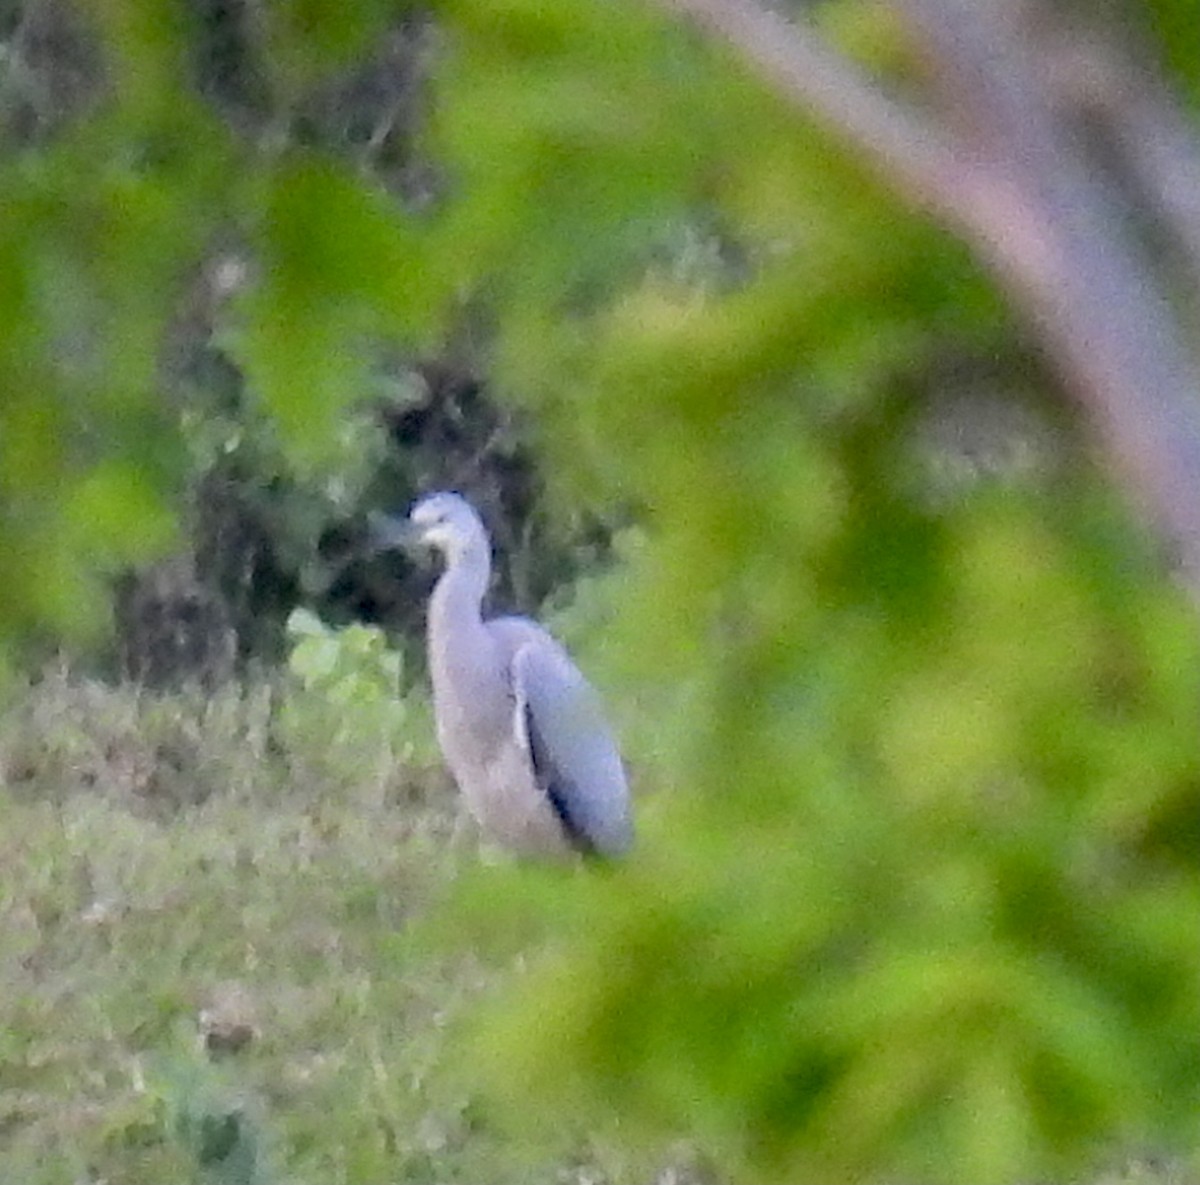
[[105, 225], [347, 690], [309, 37], [87, 453], [337, 269], [617, 132], [917, 909], [914, 898], [1172, 25], [353, 666], [90, 268], [125, 927]]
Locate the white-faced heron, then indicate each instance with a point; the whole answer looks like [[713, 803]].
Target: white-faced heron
[[520, 727]]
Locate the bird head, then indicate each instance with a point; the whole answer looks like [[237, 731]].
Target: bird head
[[443, 521]]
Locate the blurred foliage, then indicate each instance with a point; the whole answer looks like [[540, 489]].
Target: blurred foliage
[[1171, 25], [920, 906], [353, 666], [346, 687], [916, 892], [211, 238]]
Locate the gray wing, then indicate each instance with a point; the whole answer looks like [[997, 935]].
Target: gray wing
[[559, 720]]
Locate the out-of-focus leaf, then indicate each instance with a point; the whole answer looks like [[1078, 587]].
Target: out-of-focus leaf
[[339, 266]]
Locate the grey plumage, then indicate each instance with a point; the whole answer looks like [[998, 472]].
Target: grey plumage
[[521, 729]]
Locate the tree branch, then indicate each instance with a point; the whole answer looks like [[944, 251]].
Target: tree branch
[[1152, 134], [914, 153], [1097, 306], [1004, 172]]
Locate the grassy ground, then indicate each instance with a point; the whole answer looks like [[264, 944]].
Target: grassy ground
[[205, 972], [207, 965]]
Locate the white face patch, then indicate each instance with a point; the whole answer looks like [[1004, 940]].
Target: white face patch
[[438, 535], [448, 524], [423, 516], [435, 530]]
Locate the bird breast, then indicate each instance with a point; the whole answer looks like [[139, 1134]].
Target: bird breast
[[476, 726], [473, 709]]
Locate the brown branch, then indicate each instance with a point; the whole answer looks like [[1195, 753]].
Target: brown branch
[[1005, 174], [1094, 300], [1150, 131], [1104, 78], [914, 153]]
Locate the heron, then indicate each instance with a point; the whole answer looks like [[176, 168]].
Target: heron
[[521, 729]]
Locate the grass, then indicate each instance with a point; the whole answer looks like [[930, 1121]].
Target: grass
[[206, 972], [209, 969]]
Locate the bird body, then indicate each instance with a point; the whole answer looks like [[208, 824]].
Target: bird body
[[521, 729]]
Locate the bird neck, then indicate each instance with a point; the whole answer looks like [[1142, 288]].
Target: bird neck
[[457, 602]]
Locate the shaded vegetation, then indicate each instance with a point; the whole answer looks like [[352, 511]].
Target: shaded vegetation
[[183, 347], [907, 680]]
